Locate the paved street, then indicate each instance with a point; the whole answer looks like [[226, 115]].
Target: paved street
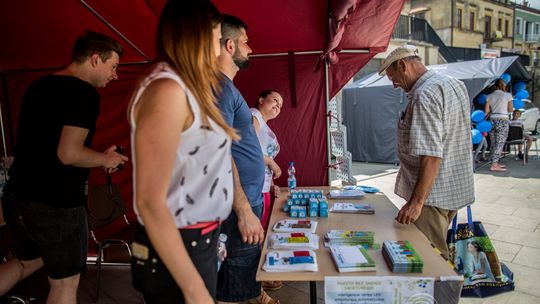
[[507, 203]]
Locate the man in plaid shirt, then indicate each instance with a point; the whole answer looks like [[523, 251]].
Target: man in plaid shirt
[[434, 146]]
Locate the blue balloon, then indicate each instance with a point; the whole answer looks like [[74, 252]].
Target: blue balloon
[[478, 116], [481, 99], [518, 86], [476, 136], [506, 78], [522, 94], [518, 104], [484, 126]]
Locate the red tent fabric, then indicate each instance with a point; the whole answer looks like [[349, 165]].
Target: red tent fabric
[[36, 38]]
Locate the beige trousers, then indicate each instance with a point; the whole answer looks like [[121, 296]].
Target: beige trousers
[[434, 223]]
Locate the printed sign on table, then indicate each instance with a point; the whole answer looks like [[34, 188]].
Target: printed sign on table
[[383, 290]]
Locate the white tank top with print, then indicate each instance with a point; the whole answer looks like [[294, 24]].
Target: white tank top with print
[[269, 145], [201, 186]]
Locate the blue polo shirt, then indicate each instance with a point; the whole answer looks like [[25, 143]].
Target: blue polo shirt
[[247, 152]]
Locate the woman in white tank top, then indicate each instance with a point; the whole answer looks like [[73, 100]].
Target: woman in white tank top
[[182, 180], [268, 107], [498, 106]]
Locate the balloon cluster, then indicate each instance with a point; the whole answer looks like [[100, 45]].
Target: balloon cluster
[[520, 94], [482, 125], [478, 117], [519, 91]]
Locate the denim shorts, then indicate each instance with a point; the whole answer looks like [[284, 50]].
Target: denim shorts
[[58, 235], [236, 277], [152, 278]]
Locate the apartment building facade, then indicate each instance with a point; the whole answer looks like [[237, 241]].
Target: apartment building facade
[[469, 23], [527, 32]]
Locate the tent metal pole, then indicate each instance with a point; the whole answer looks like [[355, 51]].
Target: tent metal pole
[[356, 51], [359, 51], [3, 132], [56, 68], [6, 100], [327, 101], [107, 23]]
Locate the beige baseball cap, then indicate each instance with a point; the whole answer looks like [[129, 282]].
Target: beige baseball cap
[[397, 54]]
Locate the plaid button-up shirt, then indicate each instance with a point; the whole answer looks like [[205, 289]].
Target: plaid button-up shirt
[[437, 123]]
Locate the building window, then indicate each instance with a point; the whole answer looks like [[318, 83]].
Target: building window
[[499, 26], [506, 28], [460, 18], [472, 22], [487, 27], [536, 28], [519, 27]]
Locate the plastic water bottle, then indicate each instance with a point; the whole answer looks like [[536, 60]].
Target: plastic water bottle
[[291, 181], [221, 249]]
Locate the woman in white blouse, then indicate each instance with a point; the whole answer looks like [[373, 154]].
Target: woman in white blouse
[[498, 106], [181, 148]]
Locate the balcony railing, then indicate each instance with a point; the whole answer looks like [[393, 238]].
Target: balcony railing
[[412, 28]]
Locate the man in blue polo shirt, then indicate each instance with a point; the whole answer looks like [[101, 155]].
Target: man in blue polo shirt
[[236, 279]]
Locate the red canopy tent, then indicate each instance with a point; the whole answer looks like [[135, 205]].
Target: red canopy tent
[[290, 40]]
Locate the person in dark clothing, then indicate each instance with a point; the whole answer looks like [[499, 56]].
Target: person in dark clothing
[[44, 200]]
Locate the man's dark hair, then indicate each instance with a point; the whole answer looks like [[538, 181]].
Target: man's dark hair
[[231, 28], [94, 43]]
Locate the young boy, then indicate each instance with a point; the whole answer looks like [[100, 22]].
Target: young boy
[[516, 122]]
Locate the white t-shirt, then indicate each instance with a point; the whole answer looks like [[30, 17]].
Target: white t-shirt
[[269, 146], [201, 186], [498, 102]]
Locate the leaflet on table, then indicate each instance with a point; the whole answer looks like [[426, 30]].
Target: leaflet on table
[[352, 259], [343, 193], [366, 189], [290, 261], [295, 226], [293, 240], [366, 245], [402, 257], [344, 207], [350, 237], [337, 234]]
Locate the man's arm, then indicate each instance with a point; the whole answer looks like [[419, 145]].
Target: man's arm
[[249, 224], [429, 169], [72, 151]]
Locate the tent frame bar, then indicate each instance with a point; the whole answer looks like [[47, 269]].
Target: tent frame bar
[[355, 51], [37, 70], [114, 29]]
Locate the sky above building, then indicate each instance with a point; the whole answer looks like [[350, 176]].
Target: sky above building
[[532, 3]]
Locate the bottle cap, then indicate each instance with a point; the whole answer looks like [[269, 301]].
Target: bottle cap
[[223, 237], [291, 163]]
